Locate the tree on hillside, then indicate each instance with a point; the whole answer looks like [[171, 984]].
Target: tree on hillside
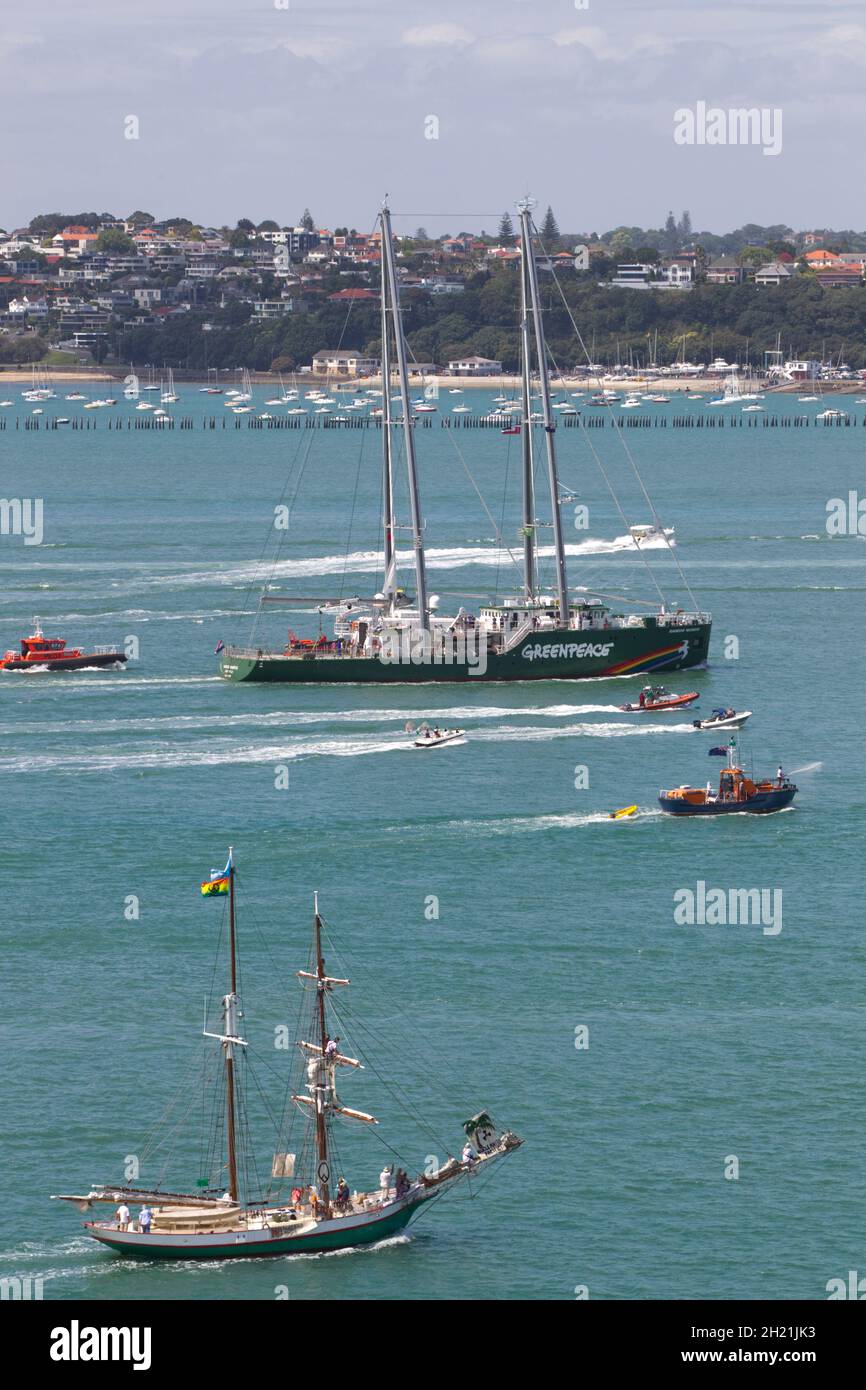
[[115, 242], [671, 236], [505, 235], [244, 224], [684, 228], [141, 219], [268, 226], [307, 221], [549, 229]]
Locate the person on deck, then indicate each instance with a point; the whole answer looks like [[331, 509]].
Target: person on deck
[[121, 1216], [469, 1155], [145, 1217], [385, 1182], [642, 699], [402, 1183], [331, 1048], [780, 776], [341, 1200]]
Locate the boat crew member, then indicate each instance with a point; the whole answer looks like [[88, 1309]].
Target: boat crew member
[[469, 1155], [709, 791], [341, 1200], [121, 1216], [331, 1047], [314, 1200], [780, 776], [145, 1217], [385, 1182]]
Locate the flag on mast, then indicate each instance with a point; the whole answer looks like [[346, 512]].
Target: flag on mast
[[218, 883]]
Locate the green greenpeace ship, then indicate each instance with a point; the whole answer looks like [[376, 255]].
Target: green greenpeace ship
[[390, 639]]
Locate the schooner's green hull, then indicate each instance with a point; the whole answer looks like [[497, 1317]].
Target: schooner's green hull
[[341, 1235], [559, 654]]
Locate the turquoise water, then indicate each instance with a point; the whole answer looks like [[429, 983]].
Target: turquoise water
[[704, 1041]]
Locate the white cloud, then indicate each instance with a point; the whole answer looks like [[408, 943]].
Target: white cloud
[[437, 36], [607, 47], [846, 41]]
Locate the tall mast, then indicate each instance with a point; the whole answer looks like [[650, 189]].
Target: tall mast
[[549, 427], [230, 1021], [526, 440], [387, 478], [400, 353], [321, 1127]]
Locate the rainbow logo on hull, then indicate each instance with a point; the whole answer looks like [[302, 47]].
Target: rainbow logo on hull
[[649, 662]]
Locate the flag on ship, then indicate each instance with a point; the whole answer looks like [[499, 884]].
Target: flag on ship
[[218, 883]]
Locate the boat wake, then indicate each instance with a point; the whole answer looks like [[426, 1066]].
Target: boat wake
[[521, 825], [370, 562], [457, 716], [208, 755]]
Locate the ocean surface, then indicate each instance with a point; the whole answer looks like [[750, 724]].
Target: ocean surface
[[707, 1043]]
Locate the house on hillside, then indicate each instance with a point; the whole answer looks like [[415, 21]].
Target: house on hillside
[[725, 271], [839, 276], [333, 362], [474, 366], [821, 259], [774, 273]]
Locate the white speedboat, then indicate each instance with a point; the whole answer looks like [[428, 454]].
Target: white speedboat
[[724, 719], [435, 738]]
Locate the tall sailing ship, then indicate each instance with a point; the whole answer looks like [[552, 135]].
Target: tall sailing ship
[[304, 1210], [541, 633]]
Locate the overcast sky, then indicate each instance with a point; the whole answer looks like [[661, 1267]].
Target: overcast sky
[[249, 109]]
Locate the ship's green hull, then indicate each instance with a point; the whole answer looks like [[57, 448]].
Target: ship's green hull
[[340, 1236], [560, 654]]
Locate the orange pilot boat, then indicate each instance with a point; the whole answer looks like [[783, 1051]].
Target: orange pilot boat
[[737, 792], [41, 653]]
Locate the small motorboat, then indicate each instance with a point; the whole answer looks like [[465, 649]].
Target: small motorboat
[[39, 652], [656, 698], [621, 814], [435, 738], [737, 792], [724, 719]]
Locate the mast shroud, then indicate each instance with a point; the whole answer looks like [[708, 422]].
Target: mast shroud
[[230, 1024], [531, 273], [526, 440], [387, 464], [408, 432]]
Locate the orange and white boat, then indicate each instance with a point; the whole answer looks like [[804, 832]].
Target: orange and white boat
[[41, 653]]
